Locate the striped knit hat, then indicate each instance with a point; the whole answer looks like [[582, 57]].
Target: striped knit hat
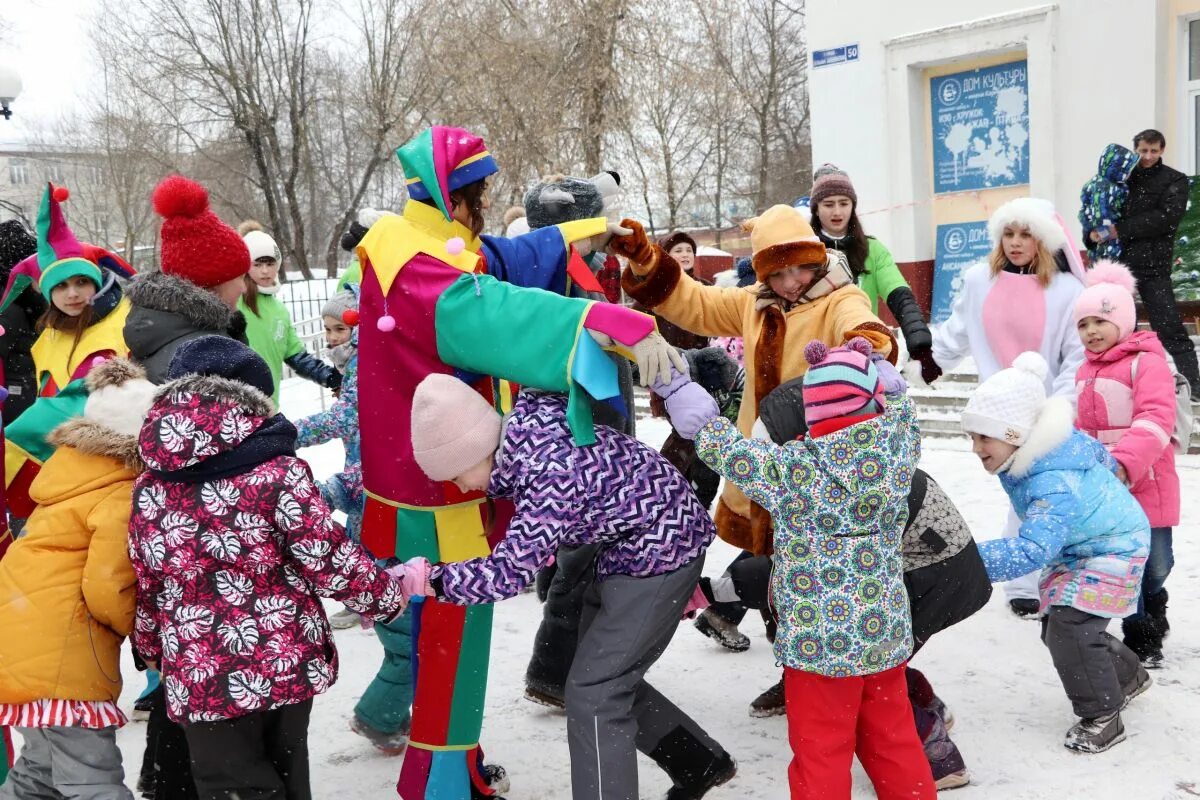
[[841, 382]]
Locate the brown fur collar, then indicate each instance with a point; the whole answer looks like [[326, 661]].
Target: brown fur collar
[[90, 437], [655, 287], [768, 353], [787, 254]]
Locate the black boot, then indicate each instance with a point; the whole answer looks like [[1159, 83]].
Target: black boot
[[692, 767], [1143, 638], [1156, 607]]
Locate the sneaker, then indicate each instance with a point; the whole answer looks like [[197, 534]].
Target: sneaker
[[722, 631], [390, 744], [1024, 607], [344, 619], [939, 707], [946, 763], [770, 703], [545, 696], [1141, 683], [1096, 735], [720, 771]]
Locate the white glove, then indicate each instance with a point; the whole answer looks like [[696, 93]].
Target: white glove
[[655, 357]]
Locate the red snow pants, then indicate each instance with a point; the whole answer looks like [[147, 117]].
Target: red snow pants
[[832, 719]]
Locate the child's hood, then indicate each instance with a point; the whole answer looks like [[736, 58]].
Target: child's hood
[[1137, 342], [202, 427], [89, 457], [1054, 444], [1117, 163]]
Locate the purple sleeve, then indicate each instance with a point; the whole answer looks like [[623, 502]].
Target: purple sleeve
[[539, 525]]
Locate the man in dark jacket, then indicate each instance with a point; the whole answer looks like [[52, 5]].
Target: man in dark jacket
[[19, 321], [1158, 196]]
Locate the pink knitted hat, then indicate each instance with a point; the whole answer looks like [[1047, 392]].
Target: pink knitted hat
[[453, 427], [1109, 296]]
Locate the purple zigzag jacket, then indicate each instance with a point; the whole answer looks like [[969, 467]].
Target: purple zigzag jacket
[[616, 492]]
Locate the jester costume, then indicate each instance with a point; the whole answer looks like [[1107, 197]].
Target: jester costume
[[60, 360], [436, 299]]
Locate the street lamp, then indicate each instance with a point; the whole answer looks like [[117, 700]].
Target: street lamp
[[10, 87]]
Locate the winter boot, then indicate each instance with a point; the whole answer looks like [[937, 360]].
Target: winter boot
[[770, 703], [1156, 607], [1141, 682], [692, 767], [344, 619], [949, 770], [497, 781], [1142, 636], [1024, 607], [544, 694], [722, 631], [939, 707], [1096, 735], [390, 744]]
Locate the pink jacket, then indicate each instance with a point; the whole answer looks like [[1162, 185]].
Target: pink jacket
[[1134, 419], [233, 548]]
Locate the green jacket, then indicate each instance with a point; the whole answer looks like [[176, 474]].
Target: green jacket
[[882, 276], [271, 335], [882, 280]]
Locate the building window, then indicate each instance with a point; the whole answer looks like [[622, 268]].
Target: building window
[[18, 172], [1191, 93], [54, 173]]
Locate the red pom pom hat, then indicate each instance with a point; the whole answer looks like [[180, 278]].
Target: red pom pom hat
[[196, 245]]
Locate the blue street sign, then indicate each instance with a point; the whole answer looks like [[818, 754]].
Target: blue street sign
[[835, 55]]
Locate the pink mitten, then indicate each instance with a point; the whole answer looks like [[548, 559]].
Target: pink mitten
[[414, 577], [697, 602]]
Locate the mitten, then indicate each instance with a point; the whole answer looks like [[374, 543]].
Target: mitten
[[690, 409], [655, 358], [635, 247], [930, 371], [889, 376], [414, 577], [697, 602]]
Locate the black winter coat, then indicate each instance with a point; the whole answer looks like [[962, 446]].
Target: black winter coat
[[1158, 197], [16, 345]]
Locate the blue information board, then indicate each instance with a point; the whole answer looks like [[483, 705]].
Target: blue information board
[[958, 246], [981, 128], [835, 55]]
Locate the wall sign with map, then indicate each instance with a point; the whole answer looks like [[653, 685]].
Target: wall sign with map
[[981, 128]]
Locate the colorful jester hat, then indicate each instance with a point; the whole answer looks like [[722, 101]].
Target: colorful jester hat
[[59, 254], [440, 160]]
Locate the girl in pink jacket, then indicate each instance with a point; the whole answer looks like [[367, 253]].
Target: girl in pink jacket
[[1126, 399]]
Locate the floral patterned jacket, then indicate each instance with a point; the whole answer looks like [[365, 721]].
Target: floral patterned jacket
[[233, 546], [839, 504]]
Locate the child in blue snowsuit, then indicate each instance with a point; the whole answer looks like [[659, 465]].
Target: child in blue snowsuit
[[383, 713], [1103, 201], [1080, 527]]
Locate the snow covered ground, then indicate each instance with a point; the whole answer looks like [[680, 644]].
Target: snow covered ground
[[992, 670]]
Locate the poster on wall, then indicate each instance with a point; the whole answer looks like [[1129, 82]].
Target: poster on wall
[[981, 128], [1185, 268], [958, 246]]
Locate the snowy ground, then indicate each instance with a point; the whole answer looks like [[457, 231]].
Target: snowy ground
[[992, 670]]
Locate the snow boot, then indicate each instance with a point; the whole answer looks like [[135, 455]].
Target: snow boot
[[949, 770], [1096, 735], [692, 767], [1024, 607], [390, 744], [770, 703], [497, 780], [1156, 607], [1142, 636], [1141, 682], [545, 695], [722, 631]]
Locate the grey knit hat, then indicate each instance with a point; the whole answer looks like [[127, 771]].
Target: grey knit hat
[[340, 303], [562, 199]]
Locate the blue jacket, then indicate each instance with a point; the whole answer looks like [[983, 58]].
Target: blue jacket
[[1104, 198], [1079, 525]]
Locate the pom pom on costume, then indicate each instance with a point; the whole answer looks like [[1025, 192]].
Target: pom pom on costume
[[455, 246], [61, 194], [386, 323], [350, 316]]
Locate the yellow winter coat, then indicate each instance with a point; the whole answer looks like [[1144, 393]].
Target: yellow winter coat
[[66, 586], [774, 353]]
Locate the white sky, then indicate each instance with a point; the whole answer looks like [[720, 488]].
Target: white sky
[[49, 47]]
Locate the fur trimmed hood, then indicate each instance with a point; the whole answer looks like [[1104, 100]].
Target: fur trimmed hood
[[158, 291], [217, 388], [1055, 424], [93, 438]]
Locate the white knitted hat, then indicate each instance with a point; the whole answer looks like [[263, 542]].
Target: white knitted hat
[[1007, 405], [261, 245]]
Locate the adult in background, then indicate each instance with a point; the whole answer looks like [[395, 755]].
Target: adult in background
[[1158, 196], [19, 321]]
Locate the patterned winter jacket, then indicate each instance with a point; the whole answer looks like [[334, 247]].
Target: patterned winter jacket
[[343, 491], [1079, 525], [616, 492], [1104, 198], [839, 504], [233, 547]]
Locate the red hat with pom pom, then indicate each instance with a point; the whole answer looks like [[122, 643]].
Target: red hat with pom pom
[[841, 381], [1109, 296], [196, 245]]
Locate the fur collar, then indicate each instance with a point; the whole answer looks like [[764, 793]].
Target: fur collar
[[162, 292], [214, 386], [91, 437], [1054, 426]]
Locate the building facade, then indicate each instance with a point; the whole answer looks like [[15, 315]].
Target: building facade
[[942, 110]]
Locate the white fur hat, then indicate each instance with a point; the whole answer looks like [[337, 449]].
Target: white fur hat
[[119, 396], [1033, 213], [1007, 405]]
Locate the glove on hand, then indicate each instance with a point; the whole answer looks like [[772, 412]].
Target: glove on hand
[[889, 376], [414, 577], [930, 371], [635, 247], [655, 358]]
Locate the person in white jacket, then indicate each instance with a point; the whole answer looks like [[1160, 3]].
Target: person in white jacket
[[1021, 298]]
